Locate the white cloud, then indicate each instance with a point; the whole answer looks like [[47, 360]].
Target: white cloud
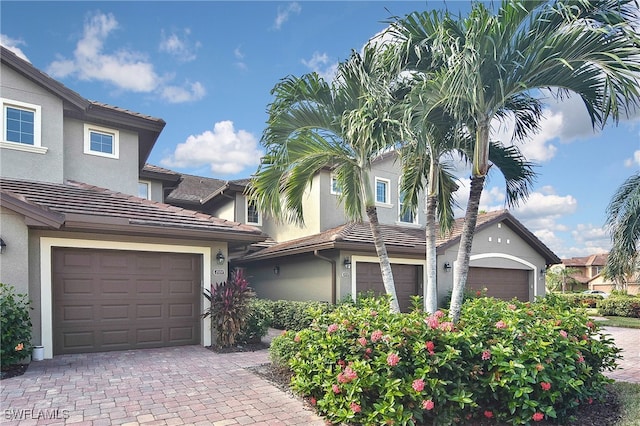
[[179, 47], [634, 161], [239, 55], [125, 69], [321, 64], [224, 149], [12, 44], [285, 13]]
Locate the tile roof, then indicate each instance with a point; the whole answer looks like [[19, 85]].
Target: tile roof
[[195, 189], [398, 239], [592, 260], [77, 205]]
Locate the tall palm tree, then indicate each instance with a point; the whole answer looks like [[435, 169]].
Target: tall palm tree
[[623, 223], [496, 64], [342, 125]]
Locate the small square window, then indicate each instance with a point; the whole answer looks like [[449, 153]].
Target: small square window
[[101, 141], [20, 125], [382, 191], [144, 190]]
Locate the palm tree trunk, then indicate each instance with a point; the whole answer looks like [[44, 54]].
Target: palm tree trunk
[[461, 267], [431, 291], [385, 264]]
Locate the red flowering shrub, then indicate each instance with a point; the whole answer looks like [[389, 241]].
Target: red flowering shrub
[[507, 361]]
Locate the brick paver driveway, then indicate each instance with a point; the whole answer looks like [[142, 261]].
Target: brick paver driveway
[[169, 386], [627, 339]]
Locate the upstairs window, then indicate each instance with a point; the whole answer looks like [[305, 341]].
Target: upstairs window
[[409, 216], [382, 191], [253, 215], [21, 126], [144, 189], [101, 141], [335, 187]]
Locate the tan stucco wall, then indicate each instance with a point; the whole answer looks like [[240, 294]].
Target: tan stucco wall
[[14, 265]]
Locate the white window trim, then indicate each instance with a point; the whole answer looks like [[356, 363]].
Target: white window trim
[[387, 194], [333, 178], [148, 183], [37, 127], [88, 128], [246, 214]]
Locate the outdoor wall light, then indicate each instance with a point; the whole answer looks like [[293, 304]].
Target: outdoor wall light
[[276, 270], [3, 245], [447, 266], [347, 263], [220, 257]]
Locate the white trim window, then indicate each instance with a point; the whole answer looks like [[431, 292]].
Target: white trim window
[[409, 216], [144, 189], [21, 126], [335, 187], [382, 191], [252, 213], [101, 141]]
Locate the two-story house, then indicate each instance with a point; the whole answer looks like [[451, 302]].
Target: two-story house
[[589, 272], [105, 266], [329, 258]]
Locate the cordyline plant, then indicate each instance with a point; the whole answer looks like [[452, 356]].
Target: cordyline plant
[[230, 306], [16, 326]]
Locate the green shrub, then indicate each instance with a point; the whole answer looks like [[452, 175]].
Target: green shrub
[[620, 306], [258, 321], [511, 361], [229, 309], [15, 325], [295, 315], [580, 300]]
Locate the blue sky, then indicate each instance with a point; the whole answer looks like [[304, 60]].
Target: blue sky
[[207, 68]]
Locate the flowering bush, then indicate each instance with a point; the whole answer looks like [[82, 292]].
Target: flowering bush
[[15, 324], [230, 308], [512, 362]]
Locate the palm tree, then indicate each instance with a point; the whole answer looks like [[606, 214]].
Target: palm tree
[[498, 64], [343, 125], [623, 223]]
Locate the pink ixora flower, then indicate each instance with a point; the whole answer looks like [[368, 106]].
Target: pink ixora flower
[[430, 346], [501, 324], [393, 359], [428, 404], [511, 307], [488, 414], [447, 326], [418, 385], [296, 338], [537, 417], [313, 401], [335, 388], [438, 314], [563, 333], [362, 341], [545, 386], [433, 322], [347, 375], [355, 407], [486, 355], [580, 359], [590, 324], [373, 313], [332, 328], [376, 335]]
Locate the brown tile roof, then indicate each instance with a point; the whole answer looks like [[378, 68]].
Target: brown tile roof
[[154, 172], [398, 239], [592, 260], [195, 189], [76, 205]]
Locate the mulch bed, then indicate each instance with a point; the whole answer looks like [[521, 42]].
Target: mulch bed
[[13, 370]]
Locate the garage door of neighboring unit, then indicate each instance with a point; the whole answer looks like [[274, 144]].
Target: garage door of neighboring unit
[[500, 283], [106, 300], [407, 279]]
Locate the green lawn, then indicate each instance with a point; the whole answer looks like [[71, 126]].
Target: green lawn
[[629, 396], [620, 322]]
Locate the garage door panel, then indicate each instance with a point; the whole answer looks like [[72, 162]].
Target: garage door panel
[[407, 279], [115, 309], [500, 283], [113, 261]]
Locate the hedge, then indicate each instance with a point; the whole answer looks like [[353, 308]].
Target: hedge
[[620, 306]]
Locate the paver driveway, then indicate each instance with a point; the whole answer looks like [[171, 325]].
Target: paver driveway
[[168, 386]]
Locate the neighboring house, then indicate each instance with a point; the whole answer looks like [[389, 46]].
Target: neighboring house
[[104, 268], [589, 272], [329, 259]]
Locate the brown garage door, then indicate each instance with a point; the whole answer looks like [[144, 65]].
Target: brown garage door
[[407, 279], [500, 283], [108, 300]]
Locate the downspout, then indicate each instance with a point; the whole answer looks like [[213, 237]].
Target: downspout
[[333, 274]]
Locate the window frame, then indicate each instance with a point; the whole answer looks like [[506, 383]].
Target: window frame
[[247, 203], [413, 214], [387, 192], [148, 184], [335, 190], [115, 134], [37, 127]]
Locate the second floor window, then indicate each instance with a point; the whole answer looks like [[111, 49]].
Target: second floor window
[[335, 187], [101, 141], [253, 215], [409, 216], [20, 123], [144, 190], [382, 191]]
